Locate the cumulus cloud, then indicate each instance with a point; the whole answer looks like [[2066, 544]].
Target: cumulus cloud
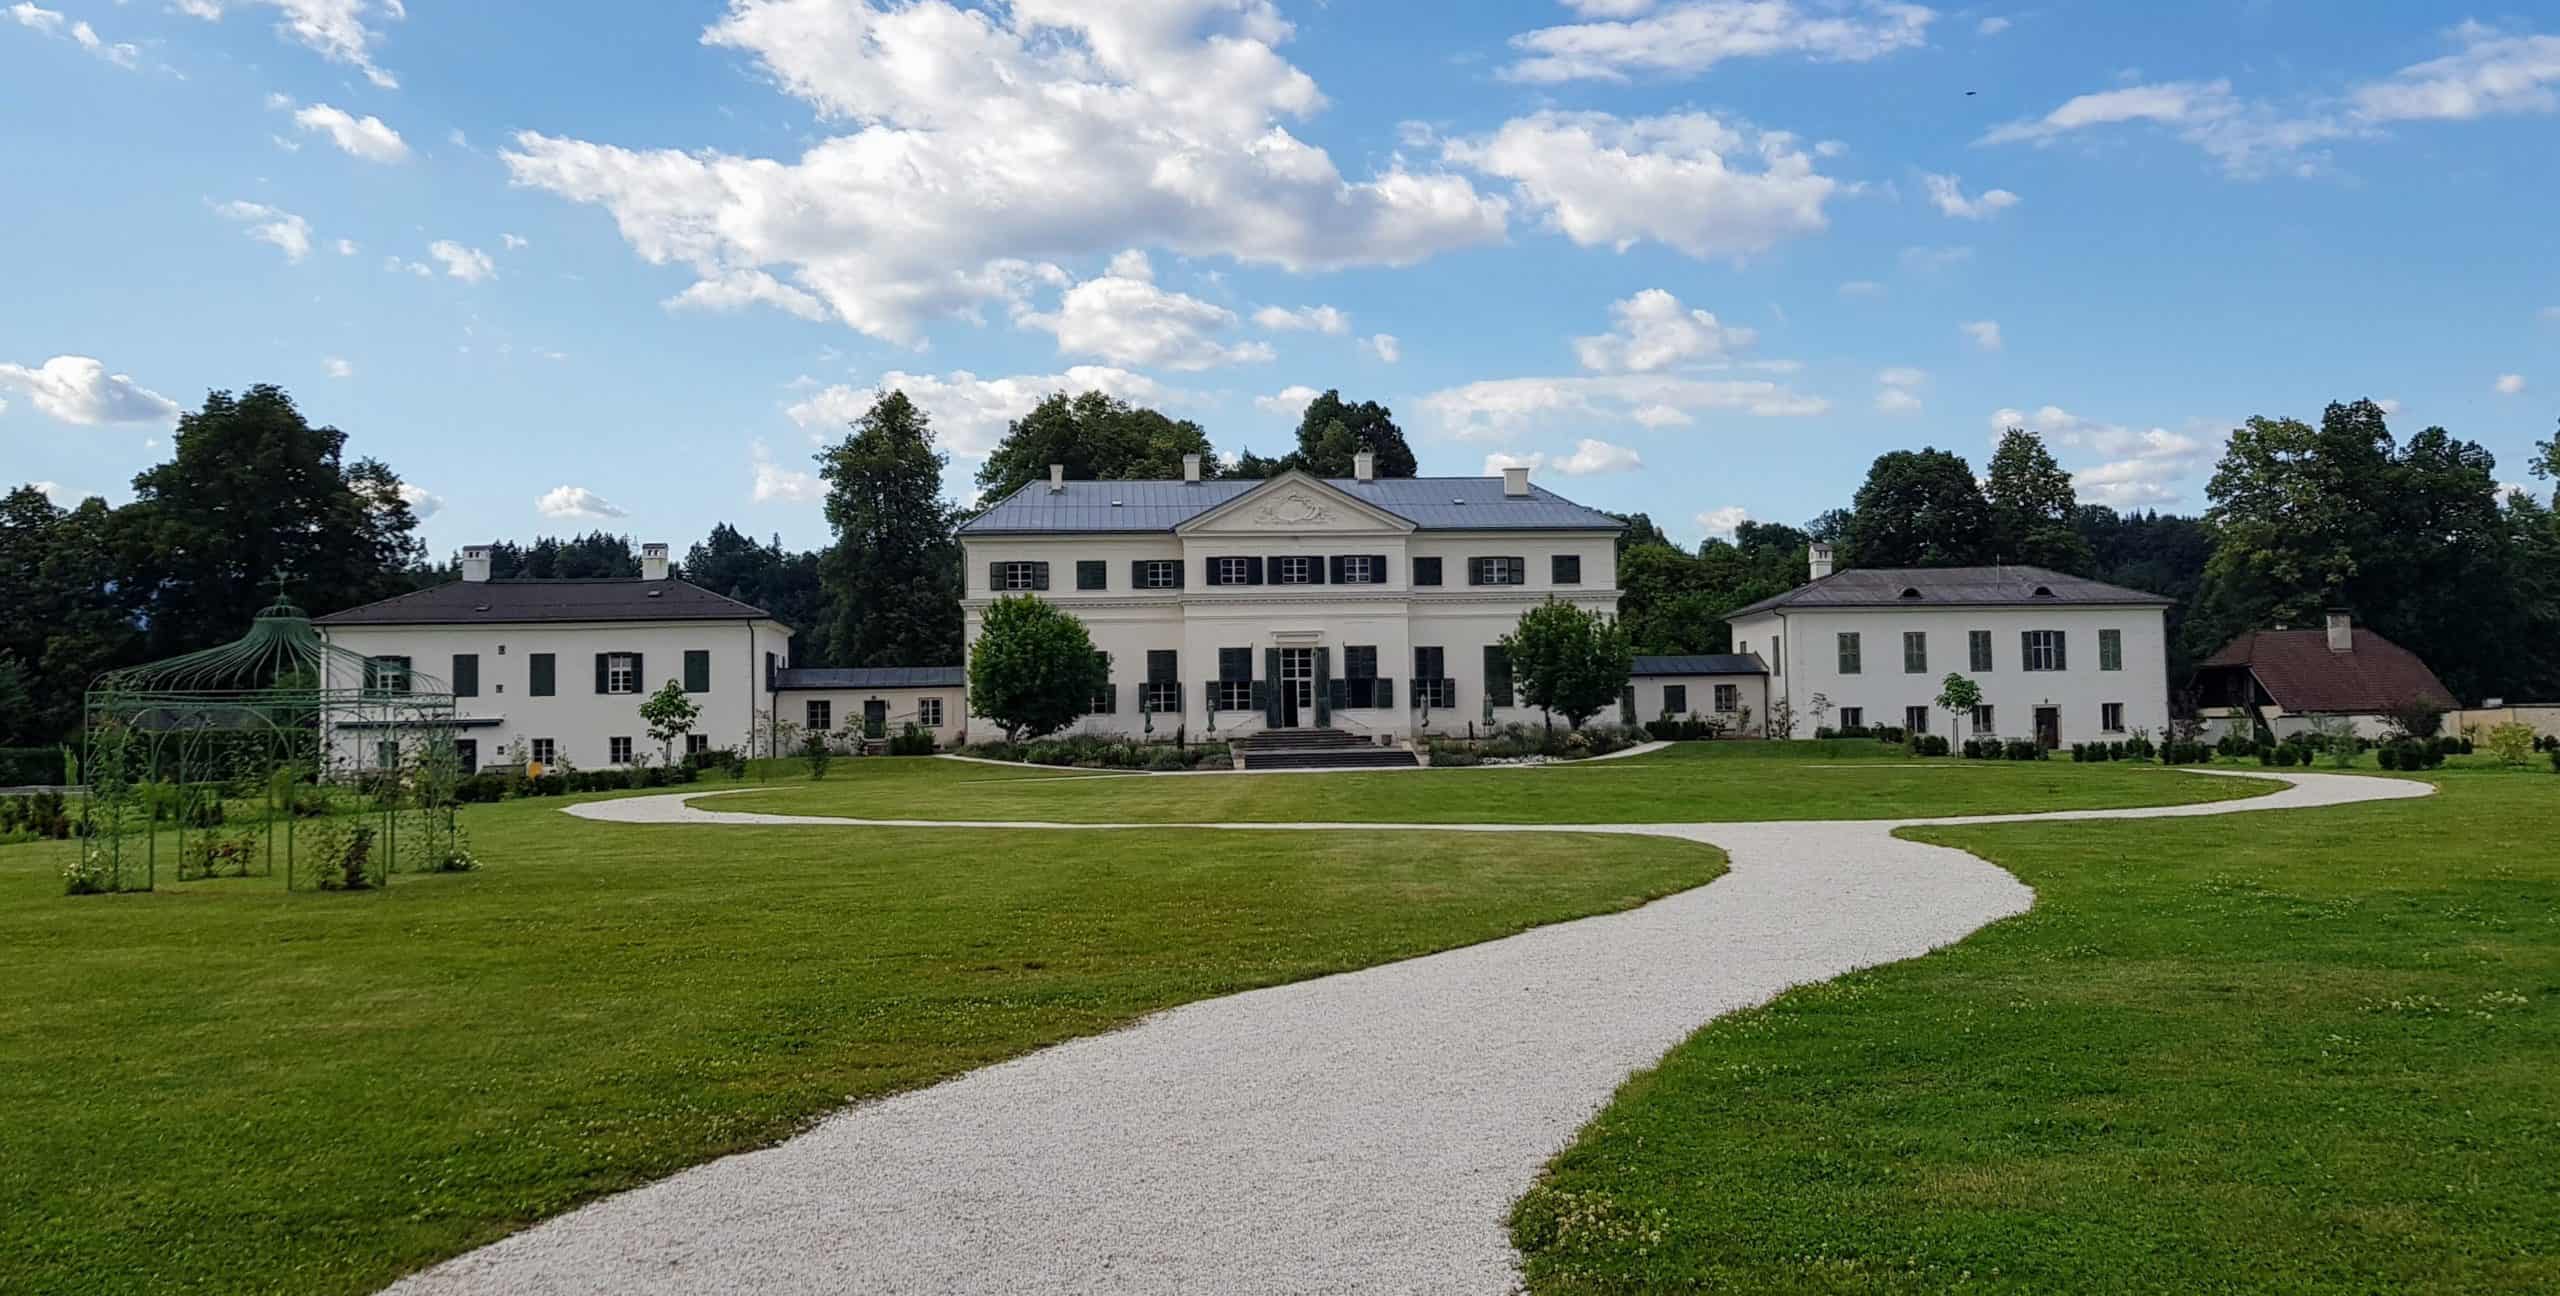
[[977, 139], [2143, 465], [1291, 400], [1722, 523], [1312, 319], [2509, 384], [1125, 318], [1595, 456], [1652, 331], [289, 233], [1503, 406], [1985, 333], [346, 247], [775, 482], [423, 503], [52, 23], [1688, 180], [576, 503], [1386, 347], [1991, 26], [339, 367], [468, 264], [969, 413], [1947, 192], [1690, 37], [1861, 288], [2492, 74], [735, 289], [337, 30], [363, 137], [1897, 390], [78, 389], [515, 241]]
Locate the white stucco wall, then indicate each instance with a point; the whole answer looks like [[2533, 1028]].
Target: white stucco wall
[[1750, 691], [845, 706], [579, 720], [1801, 648]]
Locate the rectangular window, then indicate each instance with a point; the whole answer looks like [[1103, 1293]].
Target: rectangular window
[[1359, 569], [1102, 703], [466, 675], [1431, 683], [1915, 719], [1985, 723], [1497, 674], [2111, 650], [696, 744], [544, 749], [1915, 652], [1499, 571], [1675, 699], [2041, 650], [386, 675], [1233, 689], [1163, 690], [617, 751], [621, 673], [466, 755], [1360, 675], [1017, 576], [819, 716], [1564, 569], [386, 754], [1092, 574], [2111, 716], [1160, 573], [929, 712], [1853, 718], [1848, 652], [1295, 571], [1978, 646], [1426, 571], [1235, 571], [1728, 698], [697, 670], [542, 675]]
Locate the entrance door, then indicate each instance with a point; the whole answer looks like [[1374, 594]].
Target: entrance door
[[1297, 686], [466, 753], [875, 719], [2049, 727]]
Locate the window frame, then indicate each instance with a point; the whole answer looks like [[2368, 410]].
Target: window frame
[[1564, 569], [1293, 569], [2046, 647], [542, 675], [543, 751], [617, 751], [1508, 572], [818, 715], [1727, 698], [1426, 571], [1234, 571], [1915, 720], [1163, 573], [1985, 718], [2111, 711], [1853, 656], [929, 712], [1853, 717], [1915, 652], [1093, 574], [1358, 569], [2111, 650], [1021, 576], [1675, 699], [621, 674]]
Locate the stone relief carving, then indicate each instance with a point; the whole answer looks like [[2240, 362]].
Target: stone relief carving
[[1296, 508]]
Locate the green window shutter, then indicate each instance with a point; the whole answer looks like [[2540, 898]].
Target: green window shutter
[[466, 675], [1039, 575], [1271, 694], [1111, 698], [1333, 568], [1426, 571], [1092, 574], [1209, 694], [1324, 686], [1520, 569], [1497, 674], [543, 675], [1178, 573], [2061, 651], [1475, 571], [995, 579], [1316, 571], [1252, 571], [601, 681], [2026, 650], [697, 670], [1378, 569], [1138, 573], [1383, 695], [639, 675], [1262, 698], [1338, 697]]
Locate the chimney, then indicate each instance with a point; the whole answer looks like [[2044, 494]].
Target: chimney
[[1818, 556], [475, 562], [2342, 633], [1191, 468], [1515, 483], [1364, 466], [1057, 479], [653, 562]]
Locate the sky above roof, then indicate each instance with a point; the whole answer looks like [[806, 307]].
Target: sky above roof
[[583, 264]]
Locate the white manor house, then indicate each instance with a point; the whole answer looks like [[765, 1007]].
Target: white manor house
[[1359, 611]]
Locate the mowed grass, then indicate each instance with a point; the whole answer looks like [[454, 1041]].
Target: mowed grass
[[222, 1087], [2302, 1051], [1687, 783]]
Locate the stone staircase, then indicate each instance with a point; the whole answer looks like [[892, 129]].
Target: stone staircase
[[1317, 749]]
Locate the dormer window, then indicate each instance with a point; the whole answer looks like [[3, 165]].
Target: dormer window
[[2044, 591], [1910, 592]]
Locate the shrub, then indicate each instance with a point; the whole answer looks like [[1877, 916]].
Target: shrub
[[2555, 759], [2511, 743], [814, 754], [913, 740], [2288, 756], [1929, 745], [2388, 757]]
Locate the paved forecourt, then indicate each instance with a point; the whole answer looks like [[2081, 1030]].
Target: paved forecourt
[[1356, 1133]]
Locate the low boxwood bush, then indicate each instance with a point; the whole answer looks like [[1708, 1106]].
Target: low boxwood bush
[[1086, 751]]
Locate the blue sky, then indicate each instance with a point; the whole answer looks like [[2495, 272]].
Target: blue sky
[[566, 264]]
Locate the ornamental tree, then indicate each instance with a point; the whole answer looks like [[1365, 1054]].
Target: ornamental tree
[[1034, 669], [670, 713], [1958, 696], [1566, 660]]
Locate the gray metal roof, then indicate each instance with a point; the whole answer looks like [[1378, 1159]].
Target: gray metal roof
[[1703, 664], [499, 602], [1950, 587], [1430, 503], [870, 677]]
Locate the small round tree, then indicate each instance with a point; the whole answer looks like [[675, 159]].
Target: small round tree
[[1569, 661], [1034, 669], [1958, 696], [669, 713]]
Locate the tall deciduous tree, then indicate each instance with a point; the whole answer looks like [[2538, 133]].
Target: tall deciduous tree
[[1332, 430], [1920, 508], [892, 575], [250, 488], [1034, 670], [1568, 661], [1097, 437], [2033, 505]]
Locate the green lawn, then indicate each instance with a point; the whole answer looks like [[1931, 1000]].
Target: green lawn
[[1690, 782], [223, 1087], [2307, 1051]]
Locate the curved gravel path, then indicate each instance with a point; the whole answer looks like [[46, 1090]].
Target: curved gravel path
[[1357, 1133]]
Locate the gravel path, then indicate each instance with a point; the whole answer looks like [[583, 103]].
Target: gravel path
[[1356, 1133]]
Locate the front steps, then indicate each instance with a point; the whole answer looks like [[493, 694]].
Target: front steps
[[1305, 749]]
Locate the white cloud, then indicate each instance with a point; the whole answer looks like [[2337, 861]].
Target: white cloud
[[1316, 319], [2388, 405], [2492, 75], [1985, 334], [1653, 331], [1499, 460], [1992, 26], [346, 247], [422, 502], [1695, 35], [78, 389], [576, 503], [979, 137], [1722, 523], [1902, 376], [334, 29], [2249, 138], [1862, 288], [1896, 390], [1290, 400], [1594, 456], [289, 233], [61, 496], [51, 23], [969, 413], [468, 264], [2172, 103], [1125, 318], [775, 482], [2144, 465], [1687, 180], [515, 242], [2510, 384], [418, 268], [1948, 193], [1502, 406], [339, 367], [1933, 260], [736, 289], [363, 137], [1386, 347]]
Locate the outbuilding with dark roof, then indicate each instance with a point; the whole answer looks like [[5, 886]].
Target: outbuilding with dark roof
[[2286, 680]]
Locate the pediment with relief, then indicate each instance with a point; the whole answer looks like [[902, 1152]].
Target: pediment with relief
[[1294, 505]]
